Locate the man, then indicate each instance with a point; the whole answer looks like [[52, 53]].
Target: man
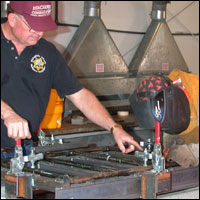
[[30, 67]]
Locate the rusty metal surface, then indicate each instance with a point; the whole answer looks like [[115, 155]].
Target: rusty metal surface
[[183, 178], [164, 182], [148, 185], [100, 172], [172, 180], [123, 188], [64, 170], [19, 186], [59, 147], [153, 184]]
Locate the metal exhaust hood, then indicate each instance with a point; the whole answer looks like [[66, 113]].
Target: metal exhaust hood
[[97, 63], [92, 52], [158, 51], [4, 7]]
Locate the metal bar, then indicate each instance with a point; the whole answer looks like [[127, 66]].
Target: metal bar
[[184, 178], [48, 184], [148, 185], [111, 156], [153, 183], [177, 179], [58, 147], [19, 186], [64, 169], [129, 159], [81, 164], [113, 97], [99, 163], [164, 182], [93, 149], [127, 187], [109, 174]]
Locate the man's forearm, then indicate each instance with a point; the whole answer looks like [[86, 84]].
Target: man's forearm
[[17, 127], [92, 109], [5, 109]]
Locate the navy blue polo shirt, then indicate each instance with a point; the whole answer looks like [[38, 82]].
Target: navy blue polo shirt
[[26, 81]]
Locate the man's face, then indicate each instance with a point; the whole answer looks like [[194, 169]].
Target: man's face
[[23, 33]]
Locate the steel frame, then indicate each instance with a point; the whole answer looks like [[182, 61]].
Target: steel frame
[[113, 179]]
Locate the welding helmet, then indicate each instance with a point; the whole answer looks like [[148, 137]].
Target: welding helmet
[[157, 93]]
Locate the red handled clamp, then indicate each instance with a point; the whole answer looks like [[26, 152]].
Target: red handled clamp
[[18, 143]]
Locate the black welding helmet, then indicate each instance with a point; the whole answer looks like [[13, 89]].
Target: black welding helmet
[[156, 99]]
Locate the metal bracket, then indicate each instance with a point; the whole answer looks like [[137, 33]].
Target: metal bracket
[[17, 163], [44, 141]]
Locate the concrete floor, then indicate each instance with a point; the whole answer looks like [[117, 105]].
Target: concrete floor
[[192, 193]]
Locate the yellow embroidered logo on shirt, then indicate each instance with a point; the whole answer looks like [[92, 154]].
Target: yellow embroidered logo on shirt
[[38, 64]]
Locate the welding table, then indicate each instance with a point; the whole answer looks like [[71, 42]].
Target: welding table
[[86, 169]]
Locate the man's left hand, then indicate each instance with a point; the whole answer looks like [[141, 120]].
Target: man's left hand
[[121, 137]]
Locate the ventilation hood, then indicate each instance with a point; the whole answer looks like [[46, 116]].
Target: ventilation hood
[[92, 52], [158, 51], [96, 61], [4, 7]]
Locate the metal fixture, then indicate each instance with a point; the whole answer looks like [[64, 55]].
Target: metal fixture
[[158, 160], [43, 140], [92, 172], [17, 163]]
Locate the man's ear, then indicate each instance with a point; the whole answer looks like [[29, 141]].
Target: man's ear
[[12, 19]]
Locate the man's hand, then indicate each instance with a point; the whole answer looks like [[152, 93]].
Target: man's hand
[[17, 127], [121, 137], [89, 105]]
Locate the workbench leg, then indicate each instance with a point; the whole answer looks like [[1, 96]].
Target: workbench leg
[[149, 185], [18, 186]]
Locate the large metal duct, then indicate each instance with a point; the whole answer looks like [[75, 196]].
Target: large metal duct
[[96, 61], [4, 6], [158, 51], [92, 52]]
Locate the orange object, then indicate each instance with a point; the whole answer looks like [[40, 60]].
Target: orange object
[[53, 116], [190, 83], [166, 153]]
